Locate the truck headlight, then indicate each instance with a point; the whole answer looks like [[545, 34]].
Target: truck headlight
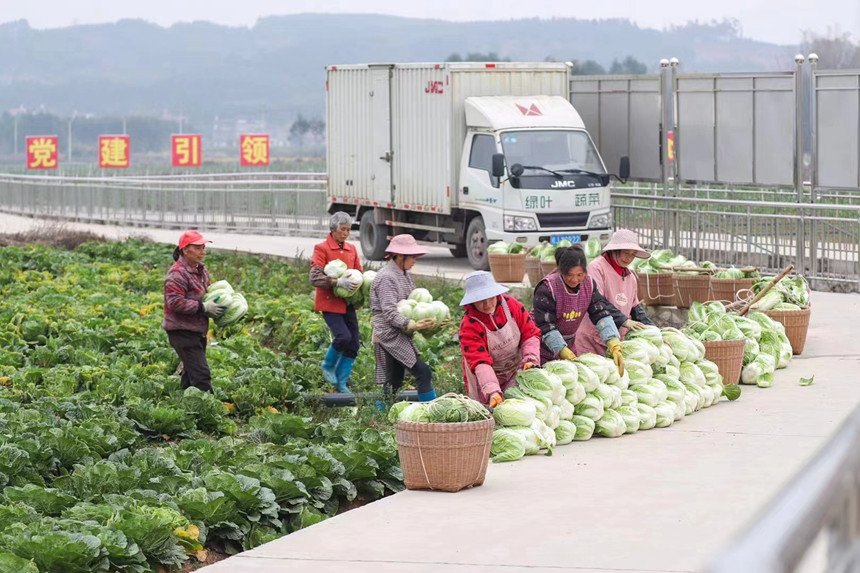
[[513, 223], [603, 221]]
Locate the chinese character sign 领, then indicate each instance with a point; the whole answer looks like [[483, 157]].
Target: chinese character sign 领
[[254, 150]]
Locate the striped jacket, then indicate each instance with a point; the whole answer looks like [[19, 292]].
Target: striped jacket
[[390, 286], [184, 288]]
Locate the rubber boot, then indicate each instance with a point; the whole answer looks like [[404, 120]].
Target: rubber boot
[[427, 396], [329, 365], [344, 369]]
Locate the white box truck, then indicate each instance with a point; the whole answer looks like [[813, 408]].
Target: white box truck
[[463, 154]]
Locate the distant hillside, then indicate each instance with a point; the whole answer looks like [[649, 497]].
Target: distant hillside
[[275, 70]]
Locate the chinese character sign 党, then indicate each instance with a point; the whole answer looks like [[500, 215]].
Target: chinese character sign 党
[[186, 150], [114, 151], [254, 150], [43, 152]]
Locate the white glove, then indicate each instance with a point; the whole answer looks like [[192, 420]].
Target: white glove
[[345, 284], [213, 309], [634, 324]]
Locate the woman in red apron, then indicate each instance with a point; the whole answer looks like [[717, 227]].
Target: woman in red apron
[[498, 338], [561, 301], [611, 275]]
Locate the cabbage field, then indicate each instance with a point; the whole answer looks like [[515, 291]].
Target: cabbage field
[[107, 465]]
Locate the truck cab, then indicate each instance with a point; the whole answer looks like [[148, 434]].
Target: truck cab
[[531, 170]]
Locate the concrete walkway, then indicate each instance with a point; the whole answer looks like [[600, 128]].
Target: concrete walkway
[[661, 500]]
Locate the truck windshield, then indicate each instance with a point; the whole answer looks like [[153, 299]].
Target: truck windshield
[[555, 149]]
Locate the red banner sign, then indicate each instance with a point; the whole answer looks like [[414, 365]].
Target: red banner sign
[[253, 150], [43, 152], [186, 150], [114, 151]]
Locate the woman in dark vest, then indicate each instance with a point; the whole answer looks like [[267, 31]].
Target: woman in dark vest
[[561, 300]]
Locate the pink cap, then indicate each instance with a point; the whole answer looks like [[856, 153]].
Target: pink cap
[[405, 245], [191, 238], [624, 240]]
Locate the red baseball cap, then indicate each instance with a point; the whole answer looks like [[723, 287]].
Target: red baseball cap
[[191, 238]]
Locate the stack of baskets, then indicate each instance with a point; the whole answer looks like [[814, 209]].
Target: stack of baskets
[[728, 355], [508, 268], [796, 323], [446, 457]]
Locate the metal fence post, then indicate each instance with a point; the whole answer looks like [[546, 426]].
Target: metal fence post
[[798, 161], [673, 163], [813, 184], [665, 97]]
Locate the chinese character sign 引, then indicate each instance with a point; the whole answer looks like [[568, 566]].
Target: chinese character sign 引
[[114, 151], [253, 150], [43, 152], [186, 150]]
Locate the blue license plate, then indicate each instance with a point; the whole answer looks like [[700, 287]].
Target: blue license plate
[[556, 239]]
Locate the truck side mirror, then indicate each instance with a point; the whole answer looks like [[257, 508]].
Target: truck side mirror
[[624, 168], [498, 164]]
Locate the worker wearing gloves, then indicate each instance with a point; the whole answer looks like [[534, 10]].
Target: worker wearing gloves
[[498, 338], [392, 332], [337, 313], [186, 316], [561, 301], [611, 275]]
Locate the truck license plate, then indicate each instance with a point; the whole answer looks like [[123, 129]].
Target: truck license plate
[[556, 239]]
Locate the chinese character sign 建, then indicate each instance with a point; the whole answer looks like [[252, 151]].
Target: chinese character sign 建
[[114, 151]]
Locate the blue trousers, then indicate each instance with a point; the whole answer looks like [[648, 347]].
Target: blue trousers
[[344, 328]]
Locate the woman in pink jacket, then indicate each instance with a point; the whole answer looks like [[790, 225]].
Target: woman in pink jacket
[[611, 275]]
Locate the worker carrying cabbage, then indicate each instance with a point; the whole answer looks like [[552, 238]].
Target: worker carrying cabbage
[[186, 316], [392, 332], [620, 287], [338, 314], [498, 338], [561, 301]]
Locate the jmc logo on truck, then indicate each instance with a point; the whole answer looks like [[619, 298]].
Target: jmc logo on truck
[[434, 88]]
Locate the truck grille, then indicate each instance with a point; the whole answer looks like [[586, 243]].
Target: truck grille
[[549, 220]]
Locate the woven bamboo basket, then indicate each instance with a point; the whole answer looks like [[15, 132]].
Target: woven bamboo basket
[[547, 268], [728, 355], [655, 289], [796, 323], [727, 289], [446, 457], [689, 289], [508, 268], [533, 270]]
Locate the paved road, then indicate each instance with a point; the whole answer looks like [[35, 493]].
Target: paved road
[[662, 500]]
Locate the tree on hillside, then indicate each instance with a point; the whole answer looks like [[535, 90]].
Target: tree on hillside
[[476, 57], [628, 65], [835, 50], [587, 68]]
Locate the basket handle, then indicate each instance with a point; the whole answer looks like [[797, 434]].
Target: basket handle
[[765, 290]]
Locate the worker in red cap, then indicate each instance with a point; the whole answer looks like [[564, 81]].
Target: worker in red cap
[[186, 316]]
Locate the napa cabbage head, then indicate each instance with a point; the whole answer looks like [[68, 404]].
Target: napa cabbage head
[[638, 372], [645, 394], [566, 370], [665, 414], [629, 398], [514, 412], [610, 425], [334, 269], [630, 414], [598, 364], [584, 428], [536, 382], [565, 432], [650, 334], [587, 377], [507, 446], [420, 295], [639, 350], [575, 394], [692, 374], [647, 416], [590, 407]]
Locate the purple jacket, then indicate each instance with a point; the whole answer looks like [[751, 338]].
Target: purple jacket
[[184, 288]]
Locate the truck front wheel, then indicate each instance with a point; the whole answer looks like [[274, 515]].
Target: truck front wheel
[[476, 245], [373, 237]]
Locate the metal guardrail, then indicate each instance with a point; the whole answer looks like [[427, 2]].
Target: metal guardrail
[[820, 505], [762, 227], [279, 203], [765, 228]]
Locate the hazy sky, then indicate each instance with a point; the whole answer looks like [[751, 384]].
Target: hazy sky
[[780, 21]]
